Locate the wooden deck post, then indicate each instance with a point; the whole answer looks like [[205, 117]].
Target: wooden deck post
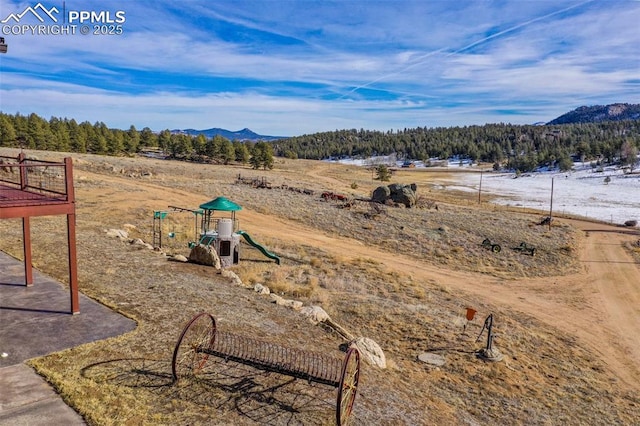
[[26, 241], [23, 172], [73, 264], [71, 238]]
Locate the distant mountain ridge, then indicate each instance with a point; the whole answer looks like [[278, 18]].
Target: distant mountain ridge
[[583, 114], [599, 113], [241, 135]]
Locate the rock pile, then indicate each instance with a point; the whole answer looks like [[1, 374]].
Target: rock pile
[[396, 194]]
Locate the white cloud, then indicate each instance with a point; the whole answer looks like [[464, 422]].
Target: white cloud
[[384, 64]]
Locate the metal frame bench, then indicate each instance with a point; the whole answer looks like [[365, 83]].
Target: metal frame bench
[[200, 339]]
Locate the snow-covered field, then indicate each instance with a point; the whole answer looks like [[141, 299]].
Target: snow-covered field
[[582, 192]]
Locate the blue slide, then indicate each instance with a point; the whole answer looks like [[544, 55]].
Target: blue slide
[[259, 247]]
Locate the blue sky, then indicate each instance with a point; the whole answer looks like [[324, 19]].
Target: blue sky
[[288, 68]]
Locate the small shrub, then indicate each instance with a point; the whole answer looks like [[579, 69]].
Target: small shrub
[[280, 287], [315, 262]]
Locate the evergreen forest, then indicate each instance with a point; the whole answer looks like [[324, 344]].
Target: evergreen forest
[[62, 134], [516, 147]]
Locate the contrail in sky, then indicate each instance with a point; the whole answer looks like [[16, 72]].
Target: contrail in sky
[[421, 60]]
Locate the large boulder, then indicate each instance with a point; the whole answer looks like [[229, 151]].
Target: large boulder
[[371, 351], [261, 289], [381, 194], [205, 255], [315, 314], [396, 193], [232, 276], [405, 196], [395, 187]]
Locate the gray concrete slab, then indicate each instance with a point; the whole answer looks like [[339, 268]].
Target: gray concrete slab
[[36, 321], [26, 399]]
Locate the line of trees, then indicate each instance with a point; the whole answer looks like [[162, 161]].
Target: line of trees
[[515, 147], [62, 134], [518, 147]]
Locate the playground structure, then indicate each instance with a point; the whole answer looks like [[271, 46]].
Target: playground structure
[[172, 231], [221, 233], [201, 339]]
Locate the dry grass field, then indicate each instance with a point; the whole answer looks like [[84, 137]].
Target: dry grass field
[[567, 320]]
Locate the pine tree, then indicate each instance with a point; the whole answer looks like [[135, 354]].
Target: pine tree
[[131, 140], [262, 156], [8, 133], [383, 173], [242, 154]]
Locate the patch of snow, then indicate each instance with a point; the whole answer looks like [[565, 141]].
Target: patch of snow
[[582, 192]]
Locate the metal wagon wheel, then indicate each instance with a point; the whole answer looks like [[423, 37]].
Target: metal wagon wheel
[[348, 386], [190, 356]]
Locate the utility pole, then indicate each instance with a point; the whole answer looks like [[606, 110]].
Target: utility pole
[[551, 206]]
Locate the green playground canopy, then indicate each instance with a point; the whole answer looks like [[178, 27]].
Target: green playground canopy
[[221, 204]]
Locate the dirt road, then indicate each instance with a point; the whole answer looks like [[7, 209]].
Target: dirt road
[[600, 306]]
